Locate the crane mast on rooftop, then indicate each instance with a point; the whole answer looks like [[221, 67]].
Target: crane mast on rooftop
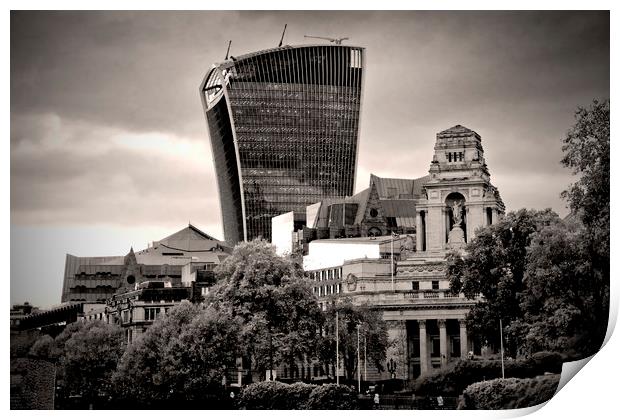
[[337, 41]]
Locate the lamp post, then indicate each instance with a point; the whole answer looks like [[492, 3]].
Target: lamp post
[[359, 365], [501, 340], [365, 373], [337, 358]]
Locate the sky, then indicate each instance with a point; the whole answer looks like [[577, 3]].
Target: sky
[[108, 141]]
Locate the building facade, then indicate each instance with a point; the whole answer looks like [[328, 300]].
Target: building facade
[[284, 128], [387, 206], [410, 287], [98, 279]]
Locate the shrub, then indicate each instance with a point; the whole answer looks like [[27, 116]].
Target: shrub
[[43, 348], [509, 393], [332, 397], [455, 378], [265, 396], [298, 396]]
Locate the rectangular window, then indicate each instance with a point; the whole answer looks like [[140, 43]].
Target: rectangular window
[[151, 314], [435, 284], [415, 285], [356, 58]]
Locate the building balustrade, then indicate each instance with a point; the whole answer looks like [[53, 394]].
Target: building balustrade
[[434, 294]]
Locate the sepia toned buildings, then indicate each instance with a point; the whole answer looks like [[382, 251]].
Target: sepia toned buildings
[[404, 275], [136, 289], [284, 127]]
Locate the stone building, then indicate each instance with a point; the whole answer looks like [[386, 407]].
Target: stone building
[[387, 206], [97, 279], [410, 287], [136, 289]]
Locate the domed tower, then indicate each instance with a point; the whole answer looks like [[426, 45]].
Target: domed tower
[[459, 196]]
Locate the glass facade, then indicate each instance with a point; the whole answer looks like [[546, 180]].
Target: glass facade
[[284, 129]]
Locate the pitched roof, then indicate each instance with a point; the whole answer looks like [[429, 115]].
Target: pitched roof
[[458, 131], [190, 232], [394, 188]]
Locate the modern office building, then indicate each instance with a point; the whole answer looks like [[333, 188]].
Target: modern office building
[[284, 126]]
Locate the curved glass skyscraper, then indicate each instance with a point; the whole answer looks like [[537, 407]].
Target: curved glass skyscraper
[[284, 127]]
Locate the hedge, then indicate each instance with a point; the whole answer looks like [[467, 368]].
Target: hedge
[[332, 397], [298, 396], [451, 381], [500, 394]]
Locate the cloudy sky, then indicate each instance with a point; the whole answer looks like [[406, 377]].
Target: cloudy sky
[[109, 147]]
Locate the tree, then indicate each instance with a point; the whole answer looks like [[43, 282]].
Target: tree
[[269, 296], [180, 359], [300, 318], [43, 348], [560, 301], [535, 273], [494, 265], [372, 327], [587, 148], [88, 357]]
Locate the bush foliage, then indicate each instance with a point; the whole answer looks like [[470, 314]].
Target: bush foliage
[[298, 396], [454, 379], [500, 394]]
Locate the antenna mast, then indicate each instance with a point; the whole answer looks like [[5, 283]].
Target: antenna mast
[[282, 38]]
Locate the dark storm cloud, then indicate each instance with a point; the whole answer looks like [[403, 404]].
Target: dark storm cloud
[[136, 70], [107, 125], [515, 77], [80, 173]]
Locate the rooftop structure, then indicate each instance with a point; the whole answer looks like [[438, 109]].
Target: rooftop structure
[[387, 206], [97, 279]]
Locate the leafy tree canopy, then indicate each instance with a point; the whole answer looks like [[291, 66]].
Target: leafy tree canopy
[[89, 352], [179, 358], [586, 149], [494, 265], [269, 296]]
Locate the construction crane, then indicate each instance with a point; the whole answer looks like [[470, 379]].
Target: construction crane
[[282, 39], [336, 41], [228, 50]]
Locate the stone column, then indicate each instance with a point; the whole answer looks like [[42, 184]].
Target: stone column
[[443, 342], [418, 232], [424, 359], [464, 347]]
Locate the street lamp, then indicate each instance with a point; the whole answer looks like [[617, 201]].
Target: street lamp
[[392, 368], [359, 366], [394, 237], [337, 358]]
